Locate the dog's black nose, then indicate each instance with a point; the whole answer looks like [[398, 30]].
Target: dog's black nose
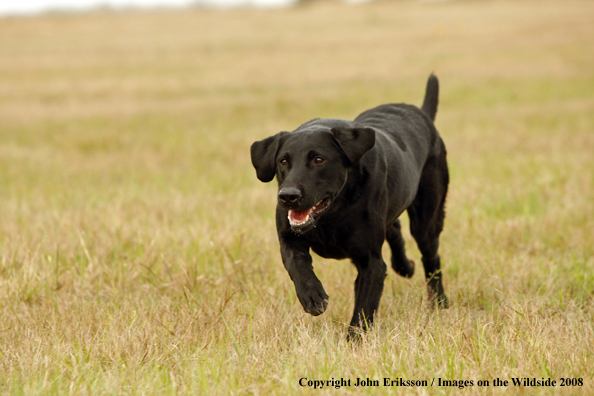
[[289, 195]]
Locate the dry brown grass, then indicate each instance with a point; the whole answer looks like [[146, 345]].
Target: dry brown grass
[[137, 249]]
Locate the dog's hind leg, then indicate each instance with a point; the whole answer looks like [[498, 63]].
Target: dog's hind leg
[[426, 215], [400, 263]]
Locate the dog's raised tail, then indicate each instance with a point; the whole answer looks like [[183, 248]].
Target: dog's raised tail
[[431, 97]]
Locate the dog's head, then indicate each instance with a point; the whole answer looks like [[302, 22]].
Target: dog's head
[[311, 165]]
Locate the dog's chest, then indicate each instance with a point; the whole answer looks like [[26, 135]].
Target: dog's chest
[[330, 243], [330, 251]]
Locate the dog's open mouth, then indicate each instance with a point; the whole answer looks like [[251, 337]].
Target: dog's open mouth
[[300, 219]]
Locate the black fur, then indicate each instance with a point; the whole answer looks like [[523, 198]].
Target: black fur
[[365, 173]]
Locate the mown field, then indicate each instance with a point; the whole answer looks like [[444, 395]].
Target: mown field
[[138, 251]]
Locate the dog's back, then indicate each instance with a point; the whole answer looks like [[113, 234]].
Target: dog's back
[[406, 123], [406, 139]]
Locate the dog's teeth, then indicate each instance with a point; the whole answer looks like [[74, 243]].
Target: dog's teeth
[[296, 222]]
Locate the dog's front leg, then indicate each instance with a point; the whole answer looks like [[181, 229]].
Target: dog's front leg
[[298, 263], [369, 286]]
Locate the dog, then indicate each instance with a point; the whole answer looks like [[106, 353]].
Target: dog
[[342, 186]]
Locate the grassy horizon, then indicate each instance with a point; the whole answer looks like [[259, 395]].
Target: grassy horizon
[[138, 251]]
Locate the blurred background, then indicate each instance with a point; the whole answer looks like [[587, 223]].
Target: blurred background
[[37, 6]]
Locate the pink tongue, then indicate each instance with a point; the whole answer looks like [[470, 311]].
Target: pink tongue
[[299, 215]]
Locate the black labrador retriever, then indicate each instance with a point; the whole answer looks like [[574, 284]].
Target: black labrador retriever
[[343, 185]]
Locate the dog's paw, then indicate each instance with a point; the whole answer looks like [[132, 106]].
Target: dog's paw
[[354, 335], [438, 300], [442, 302], [406, 269], [312, 297]]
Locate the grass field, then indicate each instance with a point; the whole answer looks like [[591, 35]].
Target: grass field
[[138, 251]]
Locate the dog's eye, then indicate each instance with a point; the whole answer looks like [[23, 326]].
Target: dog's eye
[[284, 162], [319, 160]]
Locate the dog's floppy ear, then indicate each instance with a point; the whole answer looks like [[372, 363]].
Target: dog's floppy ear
[[355, 142], [264, 156]]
